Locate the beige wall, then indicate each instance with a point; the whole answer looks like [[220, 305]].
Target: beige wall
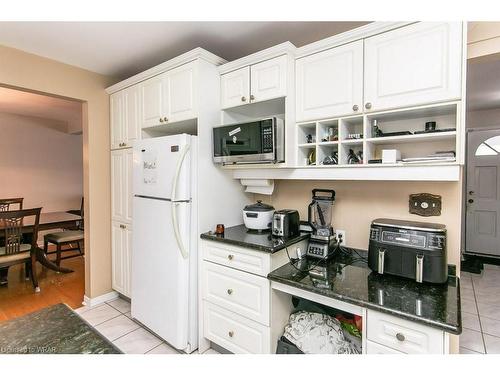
[[26, 71], [359, 202], [40, 163]]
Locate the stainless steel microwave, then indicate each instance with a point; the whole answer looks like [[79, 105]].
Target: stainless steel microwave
[[259, 141]]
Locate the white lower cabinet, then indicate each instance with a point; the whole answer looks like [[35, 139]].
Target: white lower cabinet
[[121, 257], [374, 348]]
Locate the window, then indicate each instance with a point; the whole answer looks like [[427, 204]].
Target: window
[[490, 147]]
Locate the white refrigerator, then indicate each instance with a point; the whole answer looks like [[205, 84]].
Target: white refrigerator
[[164, 252]]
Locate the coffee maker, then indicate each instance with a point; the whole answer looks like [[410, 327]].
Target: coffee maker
[[323, 241]]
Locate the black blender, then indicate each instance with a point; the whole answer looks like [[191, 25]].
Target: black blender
[[323, 241]]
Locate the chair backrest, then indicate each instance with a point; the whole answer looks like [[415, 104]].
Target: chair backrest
[[80, 223], [12, 223], [6, 203]]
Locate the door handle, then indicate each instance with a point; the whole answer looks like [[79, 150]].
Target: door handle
[[471, 192], [471, 200]]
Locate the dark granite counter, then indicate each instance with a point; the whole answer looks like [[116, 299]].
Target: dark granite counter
[[54, 330], [348, 278], [262, 241]]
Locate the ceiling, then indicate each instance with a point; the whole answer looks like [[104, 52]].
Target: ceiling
[[122, 49], [66, 114], [483, 84]]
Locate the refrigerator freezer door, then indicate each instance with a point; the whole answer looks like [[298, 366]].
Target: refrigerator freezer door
[[160, 274], [155, 166]]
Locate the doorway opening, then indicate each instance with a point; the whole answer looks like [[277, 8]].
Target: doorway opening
[[41, 161]]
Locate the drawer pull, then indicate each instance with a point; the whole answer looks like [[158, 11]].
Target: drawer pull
[[400, 337], [230, 333], [229, 291], [230, 257]]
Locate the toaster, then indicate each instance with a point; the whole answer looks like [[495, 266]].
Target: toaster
[[408, 249], [286, 223]]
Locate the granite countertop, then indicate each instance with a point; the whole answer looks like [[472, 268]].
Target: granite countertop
[[53, 330], [262, 241], [349, 279]]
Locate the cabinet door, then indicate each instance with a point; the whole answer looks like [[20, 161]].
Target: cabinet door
[[268, 79], [117, 257], [127, 195], [182, 101], [131, 122], [127, 264], [417, 64], [154, 104], [235, 88], [330, 83], [117, 185], [116, 119]]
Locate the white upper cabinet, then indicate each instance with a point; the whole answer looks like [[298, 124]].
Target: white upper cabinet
[[268, 79], [181, 93], [121, 185], [416, 64], [169, 97], [125, 126], [235, 88], [116, 120], [330, 83]]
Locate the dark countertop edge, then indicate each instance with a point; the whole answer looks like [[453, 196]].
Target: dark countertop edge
[[266, 249], [456, 330]]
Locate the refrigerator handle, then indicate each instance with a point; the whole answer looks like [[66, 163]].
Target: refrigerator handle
[[175, 221]]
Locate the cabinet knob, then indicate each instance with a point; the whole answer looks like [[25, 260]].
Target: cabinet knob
[[400, 337], [252, 97], [368, 105], [243, 99], [230, 333], [161, 119], [471, 192], [229, 291], [122, 226], [471, 200], [230, 257], [124, 144], [165, 119], [355, 107]]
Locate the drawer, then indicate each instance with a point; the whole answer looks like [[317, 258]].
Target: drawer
[[234, 332], [252, 261], [237, 291], [403, 335], [374, 348]]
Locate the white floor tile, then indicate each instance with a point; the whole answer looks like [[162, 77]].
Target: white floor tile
[[469, 306], [120, 304], [81, 310], [139, 341], [489, 311], [467, 293], [490, 326], [128, 315], [471, 321], [467, 351], [211, 351], [99, 314], [117, 327], [493, 299], [465, 282], [163, 349], [492, 344], [491, 267], [472, 340]]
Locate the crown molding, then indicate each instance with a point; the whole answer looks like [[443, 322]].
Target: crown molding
[[197, 53], [362, 32], [265, 54]]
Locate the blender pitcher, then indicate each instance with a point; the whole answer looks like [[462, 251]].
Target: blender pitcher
[[320, 212]]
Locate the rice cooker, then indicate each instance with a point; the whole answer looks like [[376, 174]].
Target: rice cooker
[[258, 216]]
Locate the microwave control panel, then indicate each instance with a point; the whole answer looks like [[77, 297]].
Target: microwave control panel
[[267, 137]]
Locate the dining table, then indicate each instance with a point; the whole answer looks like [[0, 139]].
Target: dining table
[[49, 221]]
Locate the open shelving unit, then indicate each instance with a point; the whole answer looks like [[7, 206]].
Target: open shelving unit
[[356, 133]]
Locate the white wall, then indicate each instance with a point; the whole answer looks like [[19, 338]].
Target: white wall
[[486, 118], [40, 163]]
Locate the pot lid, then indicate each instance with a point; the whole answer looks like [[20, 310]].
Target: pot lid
[[259, 206]]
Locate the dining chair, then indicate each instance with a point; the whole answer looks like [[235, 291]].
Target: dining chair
[[7, 202], [15, 250], [67, 237]]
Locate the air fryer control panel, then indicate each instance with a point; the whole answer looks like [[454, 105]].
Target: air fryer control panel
[[410, 238]]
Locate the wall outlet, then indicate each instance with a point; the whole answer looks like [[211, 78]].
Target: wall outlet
[[341, 233]]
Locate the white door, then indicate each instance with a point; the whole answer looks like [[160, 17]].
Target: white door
[[181, 93], [483, 192], [118, 185], [330, 83], [417, 64], [156, 163], [131, 122], [154, 104], [116, 120], [268, 79], [118, 260], [160, 274], [235, 88]]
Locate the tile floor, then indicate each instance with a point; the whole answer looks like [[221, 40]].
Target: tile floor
[[112, 319], [480, 311]]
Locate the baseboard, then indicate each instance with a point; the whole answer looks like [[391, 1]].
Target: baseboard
[[91, 302]]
